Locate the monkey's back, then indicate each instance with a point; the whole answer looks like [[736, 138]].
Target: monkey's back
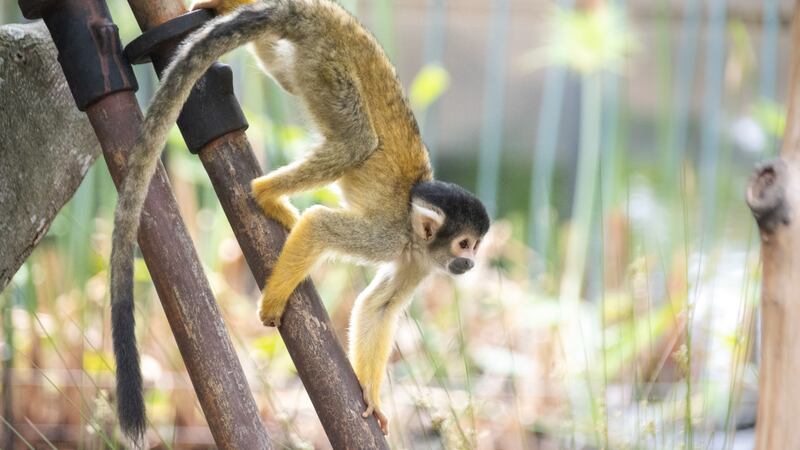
[[348, 85], [400, 159]]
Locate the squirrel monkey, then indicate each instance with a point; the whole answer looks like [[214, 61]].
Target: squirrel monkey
[[394, 213]]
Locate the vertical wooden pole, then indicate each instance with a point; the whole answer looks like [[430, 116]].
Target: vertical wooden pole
[[774, 198]]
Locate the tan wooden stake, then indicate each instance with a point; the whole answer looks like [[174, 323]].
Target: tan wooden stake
[[774, 199]]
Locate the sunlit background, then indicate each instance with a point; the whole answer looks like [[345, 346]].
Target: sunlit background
[[615, 303]]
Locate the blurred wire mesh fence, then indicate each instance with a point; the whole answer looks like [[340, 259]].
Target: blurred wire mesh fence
[[616, 301]]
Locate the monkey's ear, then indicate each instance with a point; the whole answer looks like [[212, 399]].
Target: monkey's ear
[[425, 220]]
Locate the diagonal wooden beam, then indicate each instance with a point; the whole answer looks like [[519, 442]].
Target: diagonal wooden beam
[[102, 83]]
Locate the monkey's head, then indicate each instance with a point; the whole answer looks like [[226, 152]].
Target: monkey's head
[[450, 221]]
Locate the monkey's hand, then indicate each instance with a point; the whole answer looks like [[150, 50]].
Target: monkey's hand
[[372, 399]]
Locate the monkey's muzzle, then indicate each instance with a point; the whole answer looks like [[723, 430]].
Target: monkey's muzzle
[[460, 265]]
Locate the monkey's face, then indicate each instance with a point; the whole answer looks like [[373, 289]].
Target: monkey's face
[[455, 255], [462, 249], [451, 221]]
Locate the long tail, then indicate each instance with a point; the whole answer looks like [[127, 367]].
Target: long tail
[[216, 38]]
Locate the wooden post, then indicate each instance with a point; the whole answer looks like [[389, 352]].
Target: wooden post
[[774, 198]]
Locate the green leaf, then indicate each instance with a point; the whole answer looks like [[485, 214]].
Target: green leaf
[[140, 272], [268, 345], [94, 362], [770, 116], [585, 40], [429, 84]]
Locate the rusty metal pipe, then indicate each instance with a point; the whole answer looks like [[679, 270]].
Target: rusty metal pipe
[[185, 295], [305, 327], [98, 75]]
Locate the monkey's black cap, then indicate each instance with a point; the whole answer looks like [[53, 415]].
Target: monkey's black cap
[[463, 210]]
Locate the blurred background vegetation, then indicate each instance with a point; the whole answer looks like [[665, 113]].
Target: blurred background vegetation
[[615, 305]]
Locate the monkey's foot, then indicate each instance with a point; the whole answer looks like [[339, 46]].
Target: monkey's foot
[[270, 310], [283, 213], [374, 409], [279, 210]]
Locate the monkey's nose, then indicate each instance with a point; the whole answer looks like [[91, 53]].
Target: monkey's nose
[[461, 265]]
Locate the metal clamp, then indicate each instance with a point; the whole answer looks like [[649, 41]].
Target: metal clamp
[[88, 50], [212, 109], [170, 32]]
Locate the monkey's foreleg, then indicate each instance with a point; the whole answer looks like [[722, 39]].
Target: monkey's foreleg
[[372, 327], [277, 59], [302, 249], [319, 229]]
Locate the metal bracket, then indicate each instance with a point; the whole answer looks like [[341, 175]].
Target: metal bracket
[[88, 50], [171, 32], [212, 109]]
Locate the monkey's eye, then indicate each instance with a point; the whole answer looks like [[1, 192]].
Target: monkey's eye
[[464, 244]]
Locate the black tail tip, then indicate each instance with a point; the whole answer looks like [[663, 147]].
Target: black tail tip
[[132, 416], [134, 429]]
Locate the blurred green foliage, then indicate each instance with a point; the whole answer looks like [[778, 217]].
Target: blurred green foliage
[[663, 315]]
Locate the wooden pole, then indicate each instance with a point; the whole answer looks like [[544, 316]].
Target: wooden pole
[[774, 199]]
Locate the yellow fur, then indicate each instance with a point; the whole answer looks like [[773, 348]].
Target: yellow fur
[[370, 352], [294, 263], [371, 146], [280, 210], [374, 321]]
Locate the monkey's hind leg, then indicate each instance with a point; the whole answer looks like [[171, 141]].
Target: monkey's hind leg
[[334, 100], [277, 208], [321, 166], [277, 59]]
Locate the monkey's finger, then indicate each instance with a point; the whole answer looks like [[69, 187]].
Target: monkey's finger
[[383, 421], [369, 411]]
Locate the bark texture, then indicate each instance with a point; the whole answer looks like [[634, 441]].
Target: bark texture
[[46, 144], [774, 199]]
